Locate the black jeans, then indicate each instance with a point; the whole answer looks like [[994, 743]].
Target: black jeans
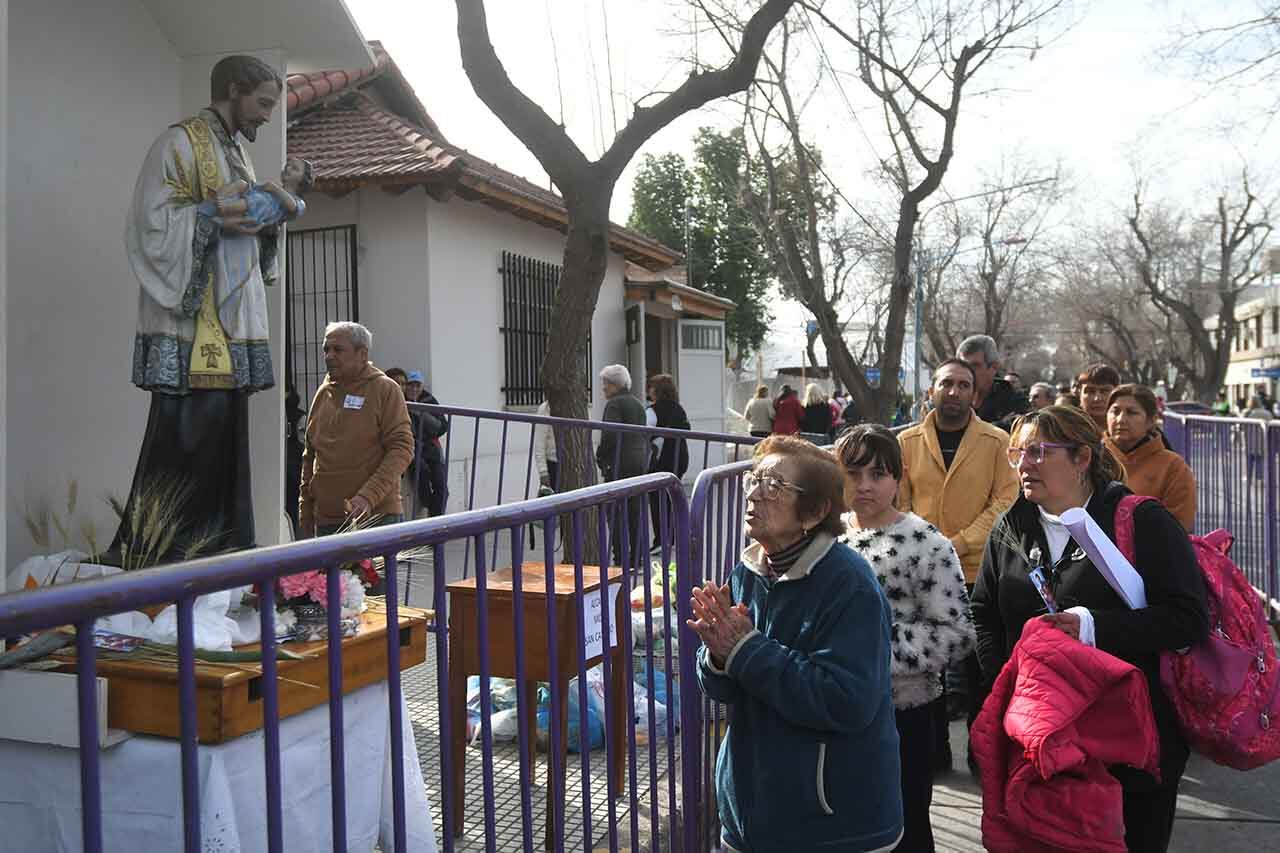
[[1148, 818], [915, 752]]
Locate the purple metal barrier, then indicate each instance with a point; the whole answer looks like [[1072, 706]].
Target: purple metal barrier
[[715, 544], [81, 603], [482, 443], [1236, 462]]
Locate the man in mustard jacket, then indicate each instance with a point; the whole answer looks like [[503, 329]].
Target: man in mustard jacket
[[957, 477]]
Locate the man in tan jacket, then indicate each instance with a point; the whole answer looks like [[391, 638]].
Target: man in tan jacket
[[957, 477], [358, 440]]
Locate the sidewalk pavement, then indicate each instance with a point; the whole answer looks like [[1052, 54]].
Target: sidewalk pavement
[[1219, 809]]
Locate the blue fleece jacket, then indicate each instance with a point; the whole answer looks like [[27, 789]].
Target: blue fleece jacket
[[811, 757]]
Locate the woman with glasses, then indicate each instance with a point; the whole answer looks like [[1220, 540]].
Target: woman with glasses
[[1063, 463], [920, 573], [797, 645]]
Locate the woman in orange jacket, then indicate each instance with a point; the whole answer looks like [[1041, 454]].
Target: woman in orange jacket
[[1150, 467]]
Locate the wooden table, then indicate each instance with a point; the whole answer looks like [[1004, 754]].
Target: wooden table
[[464, 660]]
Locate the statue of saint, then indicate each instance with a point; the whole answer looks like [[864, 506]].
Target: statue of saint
[[202, 345]]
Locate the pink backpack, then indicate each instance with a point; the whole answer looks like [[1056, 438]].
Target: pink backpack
[[1225, 689]]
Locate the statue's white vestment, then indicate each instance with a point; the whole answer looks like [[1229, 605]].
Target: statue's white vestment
[[177, 253]]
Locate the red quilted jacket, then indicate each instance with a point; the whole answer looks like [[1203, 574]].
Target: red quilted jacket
[[1060, 712]]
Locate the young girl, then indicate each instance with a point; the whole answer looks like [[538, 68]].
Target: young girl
[[920, 574]]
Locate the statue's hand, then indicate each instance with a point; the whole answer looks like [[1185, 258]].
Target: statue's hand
[[232, 188], [241, 225]]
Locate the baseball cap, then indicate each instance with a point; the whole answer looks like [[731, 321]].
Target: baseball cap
[[415, 376]]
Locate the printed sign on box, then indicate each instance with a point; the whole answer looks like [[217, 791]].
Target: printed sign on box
[[595, 621]]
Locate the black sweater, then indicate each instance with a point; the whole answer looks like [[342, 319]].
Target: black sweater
[[1176, 614]]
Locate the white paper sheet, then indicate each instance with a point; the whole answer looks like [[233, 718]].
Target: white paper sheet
[[1106, 557]]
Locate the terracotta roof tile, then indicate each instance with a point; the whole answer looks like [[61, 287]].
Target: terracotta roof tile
[[305, 89], [356, 142]]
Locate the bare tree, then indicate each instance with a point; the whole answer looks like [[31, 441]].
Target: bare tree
[[917, 61], [1224, 259], [1009, 270], [1240, 53], [587, 187]]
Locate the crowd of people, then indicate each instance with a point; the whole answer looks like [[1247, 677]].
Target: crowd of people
[[889, 582]]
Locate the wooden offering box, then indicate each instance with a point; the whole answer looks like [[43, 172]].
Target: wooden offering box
[[143, 696]]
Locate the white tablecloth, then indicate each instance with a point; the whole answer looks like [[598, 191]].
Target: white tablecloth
[[142, 789]]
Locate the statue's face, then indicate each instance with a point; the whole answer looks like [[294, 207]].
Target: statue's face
[[251, 110]]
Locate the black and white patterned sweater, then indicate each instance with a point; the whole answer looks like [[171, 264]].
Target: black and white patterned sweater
[[920, 574]]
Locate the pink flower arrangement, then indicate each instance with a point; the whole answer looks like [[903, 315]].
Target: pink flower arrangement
[[312, 584]]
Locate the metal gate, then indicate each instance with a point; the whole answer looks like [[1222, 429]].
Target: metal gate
[[321, 286]]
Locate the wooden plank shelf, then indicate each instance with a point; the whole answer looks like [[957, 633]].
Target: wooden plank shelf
[[143, 696]]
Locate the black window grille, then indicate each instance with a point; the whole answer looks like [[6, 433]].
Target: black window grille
[[528, 301], [321, 287]]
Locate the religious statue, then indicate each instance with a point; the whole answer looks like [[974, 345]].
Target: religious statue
[[203, 252]]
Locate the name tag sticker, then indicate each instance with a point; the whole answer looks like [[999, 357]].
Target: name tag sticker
[[353, 402]]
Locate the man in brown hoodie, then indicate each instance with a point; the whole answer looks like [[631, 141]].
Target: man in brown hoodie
[[358, 439]]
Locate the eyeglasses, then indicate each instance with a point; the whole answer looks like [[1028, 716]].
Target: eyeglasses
[[1033, 452], [770, 486]]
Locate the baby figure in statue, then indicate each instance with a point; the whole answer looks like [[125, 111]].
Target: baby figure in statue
[[269, 203]]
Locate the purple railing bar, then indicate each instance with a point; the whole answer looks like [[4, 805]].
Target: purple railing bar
[[610, 701], [575, 423], [555, 766], [528, 468], [394, 696], [337, 755], [670, 625], [646, 577], [502, 470], [710, 546], [690, 718], [187, 699], [90, 782], [486, 699], [584, 731], [439, 571], [527, 767], [23, 612], [624, 552], [270, 717], [471, 491]]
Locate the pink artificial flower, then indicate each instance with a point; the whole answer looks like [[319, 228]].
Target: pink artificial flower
[[312, 584]]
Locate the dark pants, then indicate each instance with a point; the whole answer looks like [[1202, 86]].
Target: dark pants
[[379, 588], [915, 752], [632, 513], [1148, 818], [195, 457]]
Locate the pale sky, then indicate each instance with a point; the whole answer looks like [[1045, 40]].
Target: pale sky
[[1098, 98]]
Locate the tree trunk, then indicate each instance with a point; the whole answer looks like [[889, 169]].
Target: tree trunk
[[899, 299], [564, 369]]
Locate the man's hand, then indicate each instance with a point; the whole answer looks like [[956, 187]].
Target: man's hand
[[357, 507], [719, 623], [1067, 623]]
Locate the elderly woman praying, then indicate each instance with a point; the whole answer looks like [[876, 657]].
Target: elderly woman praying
[[797, 644]]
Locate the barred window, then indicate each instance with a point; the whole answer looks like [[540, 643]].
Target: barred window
[[701, 337], [528, 300]]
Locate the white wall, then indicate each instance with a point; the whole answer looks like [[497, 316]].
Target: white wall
[[431, 293], [92, 85], [4, 305], [391, 235], [85, 102]]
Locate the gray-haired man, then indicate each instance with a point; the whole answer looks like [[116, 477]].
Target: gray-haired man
[[359, 440]]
